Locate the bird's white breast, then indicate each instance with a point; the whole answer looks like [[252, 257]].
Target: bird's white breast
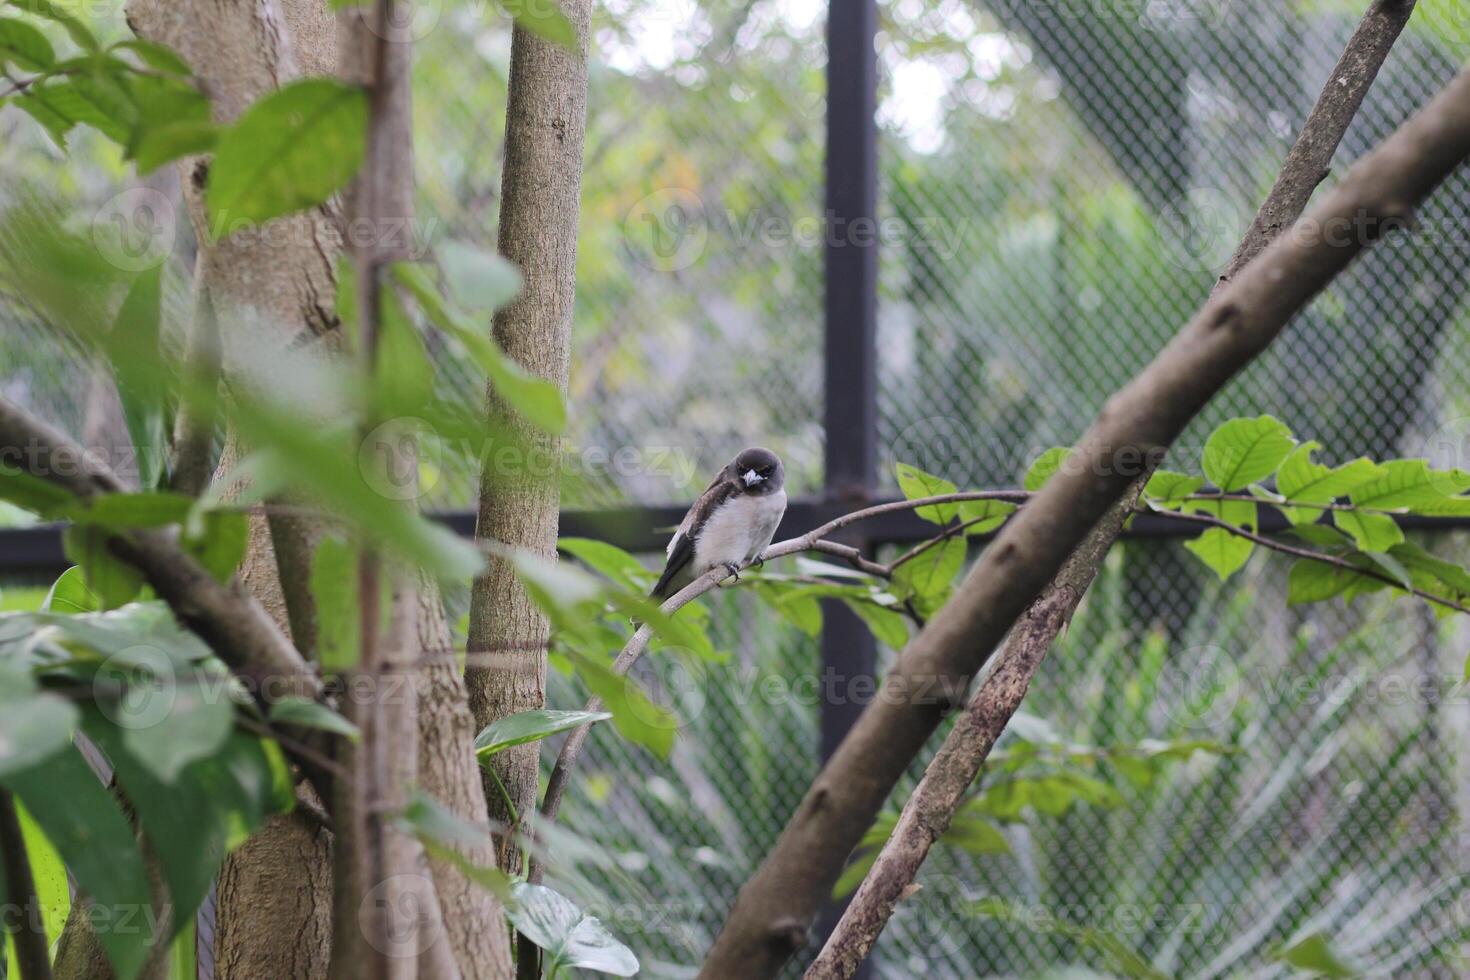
[[740, 530]]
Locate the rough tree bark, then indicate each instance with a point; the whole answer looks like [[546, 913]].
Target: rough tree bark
[[769, 920], [928, 812], [540, 196], [273, 907]]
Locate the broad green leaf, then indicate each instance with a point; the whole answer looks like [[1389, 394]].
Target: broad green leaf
[[1224, 552], [112, 581], [194, 821], [57, 14], [404, 373], [800, 610], [854, 873], [1045, 466], [158, 145], [1315, 955], [1302, 480], [538, 399], [137, 329], [929, 577], [1432, 573], [610, 560], [123, 511], [569, 938], [24, 46], [219, 541], [1410, 484], [915, 483], [530, 726], [1373, 532], [545, 20], [170, 720], [82, 821], [479, 281], [53, 891], [55, 124], [301, 713], [635, 716], [1242, 451], [34, 724], [888, 626], [1315, 581], [98, 100], [1167, 489], [976, 835], [291, 150], [446, 836], [70, 594], [31, 493], [987, 514], [164, 102]]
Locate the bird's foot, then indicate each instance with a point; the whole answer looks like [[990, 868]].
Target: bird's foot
[[733, 568]]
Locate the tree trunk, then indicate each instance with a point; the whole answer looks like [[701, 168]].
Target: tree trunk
[[273, 914], [541, 191]]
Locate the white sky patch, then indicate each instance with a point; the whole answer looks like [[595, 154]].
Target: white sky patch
[[915, 104]]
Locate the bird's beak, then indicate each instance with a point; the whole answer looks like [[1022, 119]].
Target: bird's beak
[[751, 478]]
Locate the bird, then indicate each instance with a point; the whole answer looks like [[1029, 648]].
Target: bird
[[730, 524]]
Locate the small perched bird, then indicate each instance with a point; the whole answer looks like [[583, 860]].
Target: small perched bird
[[731, 523]]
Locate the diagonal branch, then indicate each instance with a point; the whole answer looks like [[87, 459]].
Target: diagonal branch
[[770, 917]]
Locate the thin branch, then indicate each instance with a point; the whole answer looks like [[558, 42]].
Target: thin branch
[[770, 918], [1318, 556]]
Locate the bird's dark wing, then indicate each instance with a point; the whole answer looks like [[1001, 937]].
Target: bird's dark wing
[[681, 548]]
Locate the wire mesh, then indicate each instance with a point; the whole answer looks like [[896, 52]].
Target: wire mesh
[[1061, 181]]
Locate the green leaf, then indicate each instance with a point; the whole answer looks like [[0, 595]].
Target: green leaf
[[1410, 484], [1314, 954], [219, 541], [1432, 573], [888, 627], [137, 328], [50, 11], [545, 20], [799, 608], [31, 493], [291, 150], [1373, 532], [301, 713], [568, 937], [1304, 481], [404, 374], [446, 835], [987, 514], [1315, 581], [1045, 466], [55, 124], [929, 577], [915, 483], [82, 821], [124, 511], [24, 46], [635, 716], [538, 399], [158, 145], [529, 726], [112, 580], [98, 100], [1242, 451], [193, 822], [169, 720], [1167, 489], [34, 725], [70, 594], [977, 836], [610, 560], [479, 281], [1224, 552]]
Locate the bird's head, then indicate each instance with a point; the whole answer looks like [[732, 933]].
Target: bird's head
[[757, 470]]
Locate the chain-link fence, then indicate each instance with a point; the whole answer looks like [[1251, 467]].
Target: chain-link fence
[[1061, 181]]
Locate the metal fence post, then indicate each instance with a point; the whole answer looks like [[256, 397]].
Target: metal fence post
[[850, 373]]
